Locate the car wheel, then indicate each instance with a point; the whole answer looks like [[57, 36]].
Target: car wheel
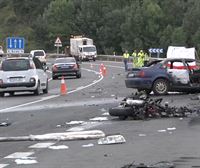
[[94, 59], [46, 89], [2, 94], [160, 87], [78, 75], [37, 90], [12, 93]]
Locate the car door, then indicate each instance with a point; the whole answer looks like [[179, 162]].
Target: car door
[[40, 72], [179, 73]]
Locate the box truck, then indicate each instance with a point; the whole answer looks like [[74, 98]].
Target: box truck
[[82, 48]]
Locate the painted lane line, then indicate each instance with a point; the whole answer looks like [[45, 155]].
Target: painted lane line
[[99, 119], [3, 165], [29, 103], [111, 66], [41, 145], [19, 155], [25, 161], [50, 97], [58, 147]]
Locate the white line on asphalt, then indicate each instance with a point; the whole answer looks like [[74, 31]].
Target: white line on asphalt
[[19, 155], [112, 66], [42, 145], [3, 165], [5, 110], [25, 161]]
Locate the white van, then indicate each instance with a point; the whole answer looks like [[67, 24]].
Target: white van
[[40, 54]]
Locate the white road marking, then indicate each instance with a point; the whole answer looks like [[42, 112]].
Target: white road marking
[[58, 147], [161, 130], [5, 110], [99, 119], [88, 145], [19, 155], [3, 165], [42, 145], [171, 129], [74, 122], [25, 161]]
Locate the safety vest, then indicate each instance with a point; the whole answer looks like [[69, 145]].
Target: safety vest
[[126, 55], [134, 54]]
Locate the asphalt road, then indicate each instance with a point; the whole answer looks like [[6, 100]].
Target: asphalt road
[[173, 139]]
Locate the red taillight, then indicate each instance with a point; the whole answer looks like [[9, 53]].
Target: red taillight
[[141, 74], [55, 68]]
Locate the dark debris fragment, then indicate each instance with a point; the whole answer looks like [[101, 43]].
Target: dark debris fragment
[[157, 165]]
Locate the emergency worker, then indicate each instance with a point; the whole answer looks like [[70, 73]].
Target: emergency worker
[[135, 58], [140, 62], [146, 58], [126, 57]]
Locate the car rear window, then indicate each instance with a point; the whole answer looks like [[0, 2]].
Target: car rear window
[[38, 53], [65, 60], [16, 65]]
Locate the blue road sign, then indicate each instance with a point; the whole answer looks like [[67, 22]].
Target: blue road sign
[[16, 43]]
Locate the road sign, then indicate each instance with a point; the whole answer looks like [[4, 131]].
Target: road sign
[[15, 44], [58, 42], [156, 50]]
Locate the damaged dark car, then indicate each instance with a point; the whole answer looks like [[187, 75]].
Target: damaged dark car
[[178, 74]]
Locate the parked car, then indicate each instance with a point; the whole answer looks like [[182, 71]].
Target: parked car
[[66, 67], [40, 54], [182, 75], [22, 74]]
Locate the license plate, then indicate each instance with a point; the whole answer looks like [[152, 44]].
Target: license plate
[[12, 80]]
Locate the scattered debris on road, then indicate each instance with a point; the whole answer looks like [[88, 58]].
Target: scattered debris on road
[[112, 139], [58, 147], [66, 136], [157, 165], [88, 145], [4, 124], [140, 106]]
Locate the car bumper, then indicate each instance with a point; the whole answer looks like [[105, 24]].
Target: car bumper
[[66, 73], [17, 87], [138, 83]]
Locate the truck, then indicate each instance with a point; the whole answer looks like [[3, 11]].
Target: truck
[[82, 48]]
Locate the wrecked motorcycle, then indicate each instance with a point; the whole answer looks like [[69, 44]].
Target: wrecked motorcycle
[[140, 106]]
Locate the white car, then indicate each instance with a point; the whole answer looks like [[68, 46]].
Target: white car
[[22, 74], [40, 54]]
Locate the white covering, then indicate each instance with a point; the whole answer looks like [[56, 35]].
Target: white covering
[[180, 52]]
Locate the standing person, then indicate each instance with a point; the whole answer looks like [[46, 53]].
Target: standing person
[[140, 62], [135, 59], [126, 57]]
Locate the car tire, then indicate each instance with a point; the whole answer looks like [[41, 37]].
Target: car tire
[[45, 91], [37, 90], [160, 87], [78, 75], [12, 93], [94, 59], [2, 94]]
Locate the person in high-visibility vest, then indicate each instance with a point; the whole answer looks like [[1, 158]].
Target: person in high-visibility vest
[[126, 57], [140, 62], [146, 59], [135, 58]]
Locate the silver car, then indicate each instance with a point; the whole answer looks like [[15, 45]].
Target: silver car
[[22, 74]]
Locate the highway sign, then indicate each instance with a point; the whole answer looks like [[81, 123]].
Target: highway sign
[[58, 42], [15, 44], [156, 50]]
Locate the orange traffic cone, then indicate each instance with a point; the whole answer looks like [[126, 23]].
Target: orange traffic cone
[[101, 66], [63, 87], [104, 71]]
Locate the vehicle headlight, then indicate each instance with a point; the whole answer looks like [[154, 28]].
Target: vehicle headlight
[[32, 80]]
